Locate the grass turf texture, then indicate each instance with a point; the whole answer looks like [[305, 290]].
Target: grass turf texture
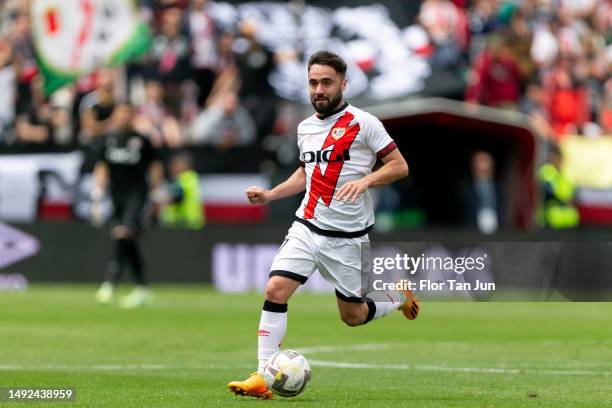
[[183, 349]]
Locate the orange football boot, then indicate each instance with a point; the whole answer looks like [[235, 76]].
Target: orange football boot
[[411, 306], [254, 386]]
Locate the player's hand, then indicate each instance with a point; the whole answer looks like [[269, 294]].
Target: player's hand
[[96, 210], [159, 196], [351, 190], [257, 195], [96, 216]]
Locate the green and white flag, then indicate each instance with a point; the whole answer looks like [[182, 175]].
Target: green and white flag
[[75, 37]]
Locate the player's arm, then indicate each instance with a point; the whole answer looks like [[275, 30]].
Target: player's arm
[[295, 184], [100, 182], [394, 168], [156, 174], [29, 132], [155, 171], [157, 194]]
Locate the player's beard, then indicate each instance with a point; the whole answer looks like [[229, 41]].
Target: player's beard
[[332, 103]]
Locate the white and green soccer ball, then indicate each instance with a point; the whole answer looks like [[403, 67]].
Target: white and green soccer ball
[[286, 373]]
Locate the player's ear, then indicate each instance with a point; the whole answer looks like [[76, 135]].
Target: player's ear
[[343, 84]]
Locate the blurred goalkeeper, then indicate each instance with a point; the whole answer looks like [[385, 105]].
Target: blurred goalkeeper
[[339, 146], [128, 165]]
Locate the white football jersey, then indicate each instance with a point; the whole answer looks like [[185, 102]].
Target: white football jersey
[[337, 149]]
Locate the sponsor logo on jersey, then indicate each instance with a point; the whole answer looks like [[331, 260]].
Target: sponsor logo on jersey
[[326, 156], [134, 143], [129, 154], [121, 155]]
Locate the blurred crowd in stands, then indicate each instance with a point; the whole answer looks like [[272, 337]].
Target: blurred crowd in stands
[[204, 84], [197, 85], [548, 59]]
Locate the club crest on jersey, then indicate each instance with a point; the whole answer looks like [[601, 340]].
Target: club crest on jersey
[[338, 132]]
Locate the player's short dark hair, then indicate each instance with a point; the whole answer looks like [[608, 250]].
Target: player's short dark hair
[[328, 58]]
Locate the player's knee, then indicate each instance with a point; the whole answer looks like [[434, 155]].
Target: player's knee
[[275, 292], [352, 319], [121, 232]]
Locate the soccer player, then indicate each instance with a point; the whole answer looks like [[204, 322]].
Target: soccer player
[[339, 146], [127, 163]]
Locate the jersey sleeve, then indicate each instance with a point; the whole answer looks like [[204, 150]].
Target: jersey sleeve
[[299, 145], [150, 153], [378, 139], [99, 149]]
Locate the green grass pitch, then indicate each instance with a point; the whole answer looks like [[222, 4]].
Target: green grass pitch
[[183, 349]]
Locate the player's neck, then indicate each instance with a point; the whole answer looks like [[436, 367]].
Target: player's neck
[[341, 106]]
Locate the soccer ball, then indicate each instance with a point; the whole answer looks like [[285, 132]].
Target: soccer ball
[[286, 373]]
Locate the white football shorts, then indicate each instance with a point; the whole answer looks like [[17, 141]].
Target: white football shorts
[[337, 259]]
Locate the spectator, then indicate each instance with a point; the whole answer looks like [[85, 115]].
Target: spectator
[[183, 208], [605, 113], [224, 124], [567, 100], [225, 49], [255, 64], [204, 56], [8, 86], [160, 5], [545, 45], [481, 195], [447, 28], [557, 210], [495, 78], [483, 19], [37, 125], [96, 108], [519, 43], [82, 87], [532, 105], [154, 120], [20, 38], [598, 73], [170, 56]]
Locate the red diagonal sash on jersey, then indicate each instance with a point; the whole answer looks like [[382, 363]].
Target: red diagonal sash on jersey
[[324, 186]]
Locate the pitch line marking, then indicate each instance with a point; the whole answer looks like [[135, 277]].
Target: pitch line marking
[[425, 367], [320, 363], [111, 367], [348, 347]]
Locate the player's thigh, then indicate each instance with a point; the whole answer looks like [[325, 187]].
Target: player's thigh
[[339, 262], [295, 258], [118, 230], [133, 210], [119, 202]]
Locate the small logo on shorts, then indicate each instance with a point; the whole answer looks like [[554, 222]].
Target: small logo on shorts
[[263, 333]]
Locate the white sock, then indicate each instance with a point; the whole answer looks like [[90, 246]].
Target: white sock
[[384, 308], [396, 299], [272, 329]]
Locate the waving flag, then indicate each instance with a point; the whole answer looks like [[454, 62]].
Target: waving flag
[[74, 37]]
